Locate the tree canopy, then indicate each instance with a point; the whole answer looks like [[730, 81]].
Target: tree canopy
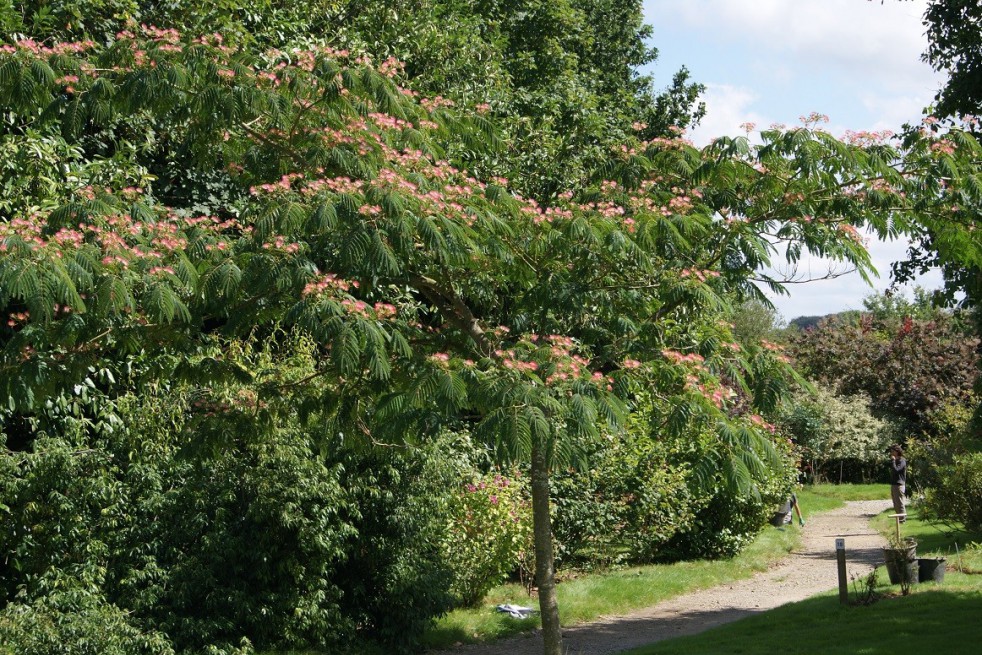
[[955, 47]]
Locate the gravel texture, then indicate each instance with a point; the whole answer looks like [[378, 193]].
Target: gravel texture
[[804, 573]]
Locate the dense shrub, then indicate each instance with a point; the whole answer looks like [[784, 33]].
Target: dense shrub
[[210, 550], [624, 508], [955, 494], [246, 544], [282, 540], [395, 578], [489, 534], [729, 517], [721, 529], [74, 619], [838, 436]]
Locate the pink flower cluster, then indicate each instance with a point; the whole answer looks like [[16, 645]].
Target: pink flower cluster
[[34, 48], [391, 67], [759, 421], [851, 232], [814, 118], [329, 282], [283, 184], [283, 244], [867, 138], [775, 348], [678, 358], [714, 392], [511, 360], [17, 318]]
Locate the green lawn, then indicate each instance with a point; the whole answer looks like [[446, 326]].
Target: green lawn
[[941, 618], [850, 491]]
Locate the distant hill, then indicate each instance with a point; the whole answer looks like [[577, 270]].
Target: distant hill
[[806, 322]]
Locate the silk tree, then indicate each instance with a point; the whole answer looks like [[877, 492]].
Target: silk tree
[[436, 296]]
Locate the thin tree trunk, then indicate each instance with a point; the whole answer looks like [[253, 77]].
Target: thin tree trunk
[[545, 575]]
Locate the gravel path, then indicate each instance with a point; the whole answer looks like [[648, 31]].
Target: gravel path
[[806, 572]]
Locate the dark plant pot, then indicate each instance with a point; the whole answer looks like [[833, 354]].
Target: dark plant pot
[[901, 563], [778, 519], [930, 569]]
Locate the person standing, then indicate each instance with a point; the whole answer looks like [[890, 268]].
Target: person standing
[[898, 481]]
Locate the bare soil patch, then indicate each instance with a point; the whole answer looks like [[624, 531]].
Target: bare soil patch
[[804, 573]]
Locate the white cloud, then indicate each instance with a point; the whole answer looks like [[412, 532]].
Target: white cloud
[[727, 108], [879, 43], [892, 111]]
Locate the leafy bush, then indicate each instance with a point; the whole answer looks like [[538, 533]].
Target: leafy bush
[[246, 545], [186, 523], [839, 437], [909, 368], [956, 437], [956, 493], [625, 508], [210, 550], [728, 515], [721, 529], [728, 518], [489, 535], [396, 580], [74, 620]]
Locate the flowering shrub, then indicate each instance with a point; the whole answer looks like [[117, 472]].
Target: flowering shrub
[[489, 536]]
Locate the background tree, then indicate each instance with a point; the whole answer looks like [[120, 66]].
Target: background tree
[[911, 369], [955, 47], [753, 322]]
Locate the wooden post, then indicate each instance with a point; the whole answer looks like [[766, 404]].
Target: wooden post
[[840, 558], [897, 517]]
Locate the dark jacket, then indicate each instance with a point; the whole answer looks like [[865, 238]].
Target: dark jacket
[[898, 471]]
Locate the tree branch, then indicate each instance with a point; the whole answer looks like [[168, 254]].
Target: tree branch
[[453, 307]]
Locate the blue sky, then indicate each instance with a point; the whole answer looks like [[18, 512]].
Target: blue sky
[[772, 61]]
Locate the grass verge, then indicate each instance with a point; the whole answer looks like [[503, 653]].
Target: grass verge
[[845, 492], [588, 596]]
